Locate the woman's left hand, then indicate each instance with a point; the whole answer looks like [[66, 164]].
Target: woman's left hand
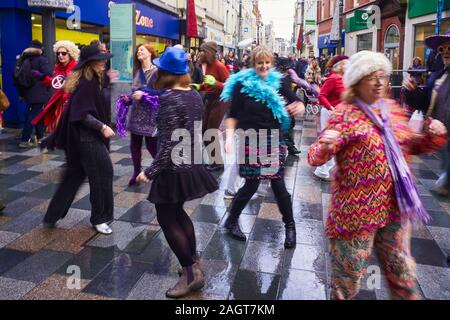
[[437, 128], [142, 178], [296, 109], [113, 74]]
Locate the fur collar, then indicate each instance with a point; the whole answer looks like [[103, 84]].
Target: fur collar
[[265, 91]]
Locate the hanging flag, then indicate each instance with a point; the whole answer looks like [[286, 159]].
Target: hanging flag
[[300, 38], [192, 30]]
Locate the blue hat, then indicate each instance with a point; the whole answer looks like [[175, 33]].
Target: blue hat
[[174, 61]]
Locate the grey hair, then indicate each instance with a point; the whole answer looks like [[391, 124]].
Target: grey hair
[[338, 67]]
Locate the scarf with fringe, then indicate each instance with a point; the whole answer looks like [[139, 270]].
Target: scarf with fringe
[[408, 199], [262, 90]]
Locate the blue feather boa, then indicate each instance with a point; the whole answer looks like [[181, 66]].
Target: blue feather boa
[[264, 91]]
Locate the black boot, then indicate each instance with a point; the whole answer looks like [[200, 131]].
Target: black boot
[[291, 235], [232, 225]]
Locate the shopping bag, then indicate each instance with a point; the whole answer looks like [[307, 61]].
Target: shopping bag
[[416, 121]]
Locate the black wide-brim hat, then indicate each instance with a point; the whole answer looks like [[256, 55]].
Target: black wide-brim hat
[[89, 54], [435, 41]]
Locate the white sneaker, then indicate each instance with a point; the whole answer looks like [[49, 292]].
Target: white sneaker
[[326, 178], [228, 195], [103, 228]]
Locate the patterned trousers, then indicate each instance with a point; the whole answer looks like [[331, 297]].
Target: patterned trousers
[[392, 246]]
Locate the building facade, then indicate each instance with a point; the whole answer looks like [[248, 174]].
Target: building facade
[[269, 36], [305, 21], [377, 26], [157, 25], [421, 23], [282, 47]]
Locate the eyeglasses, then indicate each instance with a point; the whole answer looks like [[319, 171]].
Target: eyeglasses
[[382, 79], [62, 53], [441, 49]]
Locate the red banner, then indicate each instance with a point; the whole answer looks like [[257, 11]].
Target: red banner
[[191, 19], [300, 39]]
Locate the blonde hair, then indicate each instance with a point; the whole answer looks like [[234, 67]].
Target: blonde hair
[[71, 48], [86, 72], [260, 52]]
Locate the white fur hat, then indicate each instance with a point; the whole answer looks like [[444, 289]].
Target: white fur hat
[[71, 47], [363, 64]]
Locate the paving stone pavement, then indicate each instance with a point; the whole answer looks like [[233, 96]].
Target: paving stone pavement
[[136, 262]]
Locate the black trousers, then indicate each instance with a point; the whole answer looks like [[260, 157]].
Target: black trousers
[[247, 191], [94, 162]]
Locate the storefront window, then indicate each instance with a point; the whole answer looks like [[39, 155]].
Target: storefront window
[[392, 46], [364, 41], [84, 36], [393, 35], [421, 32], [159, 44]]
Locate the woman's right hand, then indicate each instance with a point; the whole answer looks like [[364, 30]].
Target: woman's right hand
[[330, 137], [108, 132], [410, 84]]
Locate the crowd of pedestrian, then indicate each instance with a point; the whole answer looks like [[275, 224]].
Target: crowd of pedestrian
[[363, 147]]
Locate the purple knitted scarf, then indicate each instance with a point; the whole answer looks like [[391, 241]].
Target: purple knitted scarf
[[408, 200]]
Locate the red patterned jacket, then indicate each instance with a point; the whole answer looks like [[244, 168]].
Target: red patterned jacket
[[363, 195]]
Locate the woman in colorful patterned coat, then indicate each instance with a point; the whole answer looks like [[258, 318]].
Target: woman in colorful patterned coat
[[374, 198]]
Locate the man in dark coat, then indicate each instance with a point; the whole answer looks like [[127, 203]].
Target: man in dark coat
[[434, 98], [37, 95]]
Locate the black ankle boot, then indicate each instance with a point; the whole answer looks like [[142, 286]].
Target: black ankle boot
[[291, 235], [233, 228]]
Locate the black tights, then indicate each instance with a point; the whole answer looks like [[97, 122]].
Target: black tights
[[282, 196], [178, 230]]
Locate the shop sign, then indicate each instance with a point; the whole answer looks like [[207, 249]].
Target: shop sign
[[152, 21], [310, 22], [142, 20], [418, 8], [361, 18], [56, 4]]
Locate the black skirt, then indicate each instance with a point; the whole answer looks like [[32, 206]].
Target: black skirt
[[182, 185]]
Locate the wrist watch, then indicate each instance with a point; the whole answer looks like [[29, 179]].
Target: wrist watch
[[104, 127]]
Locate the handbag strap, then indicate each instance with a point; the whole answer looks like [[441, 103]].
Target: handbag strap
[[143, 78]]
